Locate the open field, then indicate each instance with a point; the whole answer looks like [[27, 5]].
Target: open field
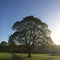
[[8, 56], [36, 57], [5, 56], [39, 57]]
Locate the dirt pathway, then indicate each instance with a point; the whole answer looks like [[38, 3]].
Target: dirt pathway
[[15, 57]]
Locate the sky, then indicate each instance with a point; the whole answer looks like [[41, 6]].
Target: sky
[[15, 10]]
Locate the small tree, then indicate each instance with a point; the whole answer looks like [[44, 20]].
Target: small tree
[[3, 46], [29, 32]]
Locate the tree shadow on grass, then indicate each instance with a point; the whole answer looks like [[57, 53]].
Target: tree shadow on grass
[[6, 59], [15, 57]]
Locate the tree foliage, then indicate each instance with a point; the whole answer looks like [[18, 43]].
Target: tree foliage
[[3, 46], [30, 32]]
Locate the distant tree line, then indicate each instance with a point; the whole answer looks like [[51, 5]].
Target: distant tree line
[[5, 47]]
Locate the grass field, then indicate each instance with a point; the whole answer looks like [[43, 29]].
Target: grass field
[[39, 57], [5, 56], [8, 56]]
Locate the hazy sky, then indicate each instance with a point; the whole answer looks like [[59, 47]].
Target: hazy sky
[[13, 10]]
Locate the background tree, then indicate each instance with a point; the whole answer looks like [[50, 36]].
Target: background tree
[[4, 46], [30, 32], [0, 48]]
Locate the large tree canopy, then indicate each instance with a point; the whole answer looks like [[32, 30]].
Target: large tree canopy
[[29, 32]]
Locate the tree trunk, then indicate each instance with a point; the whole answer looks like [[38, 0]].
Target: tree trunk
[[29, 53]]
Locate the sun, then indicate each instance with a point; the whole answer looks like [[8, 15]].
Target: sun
[[56, 35]]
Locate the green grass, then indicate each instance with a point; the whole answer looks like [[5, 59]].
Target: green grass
[[39, 57], [5, 56], [8, 56]]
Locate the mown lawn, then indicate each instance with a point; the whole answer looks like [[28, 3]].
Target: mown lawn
[[5, 56], [39, 57], [8, 56]]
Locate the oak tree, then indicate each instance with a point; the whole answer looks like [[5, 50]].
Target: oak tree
[[30, 31]]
